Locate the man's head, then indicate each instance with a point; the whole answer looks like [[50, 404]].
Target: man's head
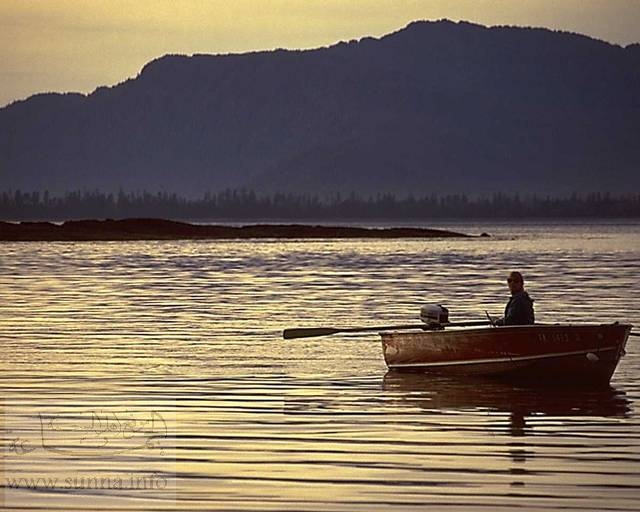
[[515, 282]]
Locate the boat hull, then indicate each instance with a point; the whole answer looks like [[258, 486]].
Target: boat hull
[[533, 353]]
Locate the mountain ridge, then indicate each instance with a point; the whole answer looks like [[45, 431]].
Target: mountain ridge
[[460, 105]]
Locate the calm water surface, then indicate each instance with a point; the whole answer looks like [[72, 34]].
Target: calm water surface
[[162, 363]]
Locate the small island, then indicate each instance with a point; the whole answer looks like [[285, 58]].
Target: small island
[[161, 229]]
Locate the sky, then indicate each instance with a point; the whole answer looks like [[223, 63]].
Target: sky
[[78, 45]]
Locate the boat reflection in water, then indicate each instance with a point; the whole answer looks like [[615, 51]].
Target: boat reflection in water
[[532, 424], [539, 429], [432, 392]]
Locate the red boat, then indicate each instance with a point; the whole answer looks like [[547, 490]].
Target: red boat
[[534, 353]]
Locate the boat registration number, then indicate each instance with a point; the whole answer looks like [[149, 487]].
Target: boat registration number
[[556, 337]]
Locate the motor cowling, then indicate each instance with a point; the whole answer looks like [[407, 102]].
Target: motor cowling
[[434, 314]]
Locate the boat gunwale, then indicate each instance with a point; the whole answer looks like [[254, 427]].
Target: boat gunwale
[[498, 328]]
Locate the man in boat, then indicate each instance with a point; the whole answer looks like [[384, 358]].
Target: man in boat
[[519, 310]]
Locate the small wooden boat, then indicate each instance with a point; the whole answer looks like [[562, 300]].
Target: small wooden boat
[[533, 353]]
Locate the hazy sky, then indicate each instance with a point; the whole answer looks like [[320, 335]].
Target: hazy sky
[[77, 45]]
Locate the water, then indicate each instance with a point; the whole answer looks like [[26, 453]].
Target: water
[[163, 363]]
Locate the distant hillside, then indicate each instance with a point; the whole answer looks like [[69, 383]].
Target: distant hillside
[[437, 107]]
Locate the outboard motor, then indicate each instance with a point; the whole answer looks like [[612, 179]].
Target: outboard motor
[[434, 315]]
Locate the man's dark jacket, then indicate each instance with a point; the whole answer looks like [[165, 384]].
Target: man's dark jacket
[[519, 310]]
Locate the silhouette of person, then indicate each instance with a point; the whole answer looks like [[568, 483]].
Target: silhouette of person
[[519, 309]]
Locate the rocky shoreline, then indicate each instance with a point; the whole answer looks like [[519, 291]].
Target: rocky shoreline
[[160, 229]]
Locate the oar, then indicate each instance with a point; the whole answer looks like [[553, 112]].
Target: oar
[[310, 332]]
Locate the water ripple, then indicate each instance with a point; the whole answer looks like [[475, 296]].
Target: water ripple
[[191, 331]]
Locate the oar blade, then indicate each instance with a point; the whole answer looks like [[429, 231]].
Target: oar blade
[[308, 332]]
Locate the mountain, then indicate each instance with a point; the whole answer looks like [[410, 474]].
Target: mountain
[[437, 107]]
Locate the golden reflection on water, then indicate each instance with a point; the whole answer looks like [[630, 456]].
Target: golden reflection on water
[[192, 331]]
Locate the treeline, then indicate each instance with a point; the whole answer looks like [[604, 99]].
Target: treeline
[[247, 205]]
